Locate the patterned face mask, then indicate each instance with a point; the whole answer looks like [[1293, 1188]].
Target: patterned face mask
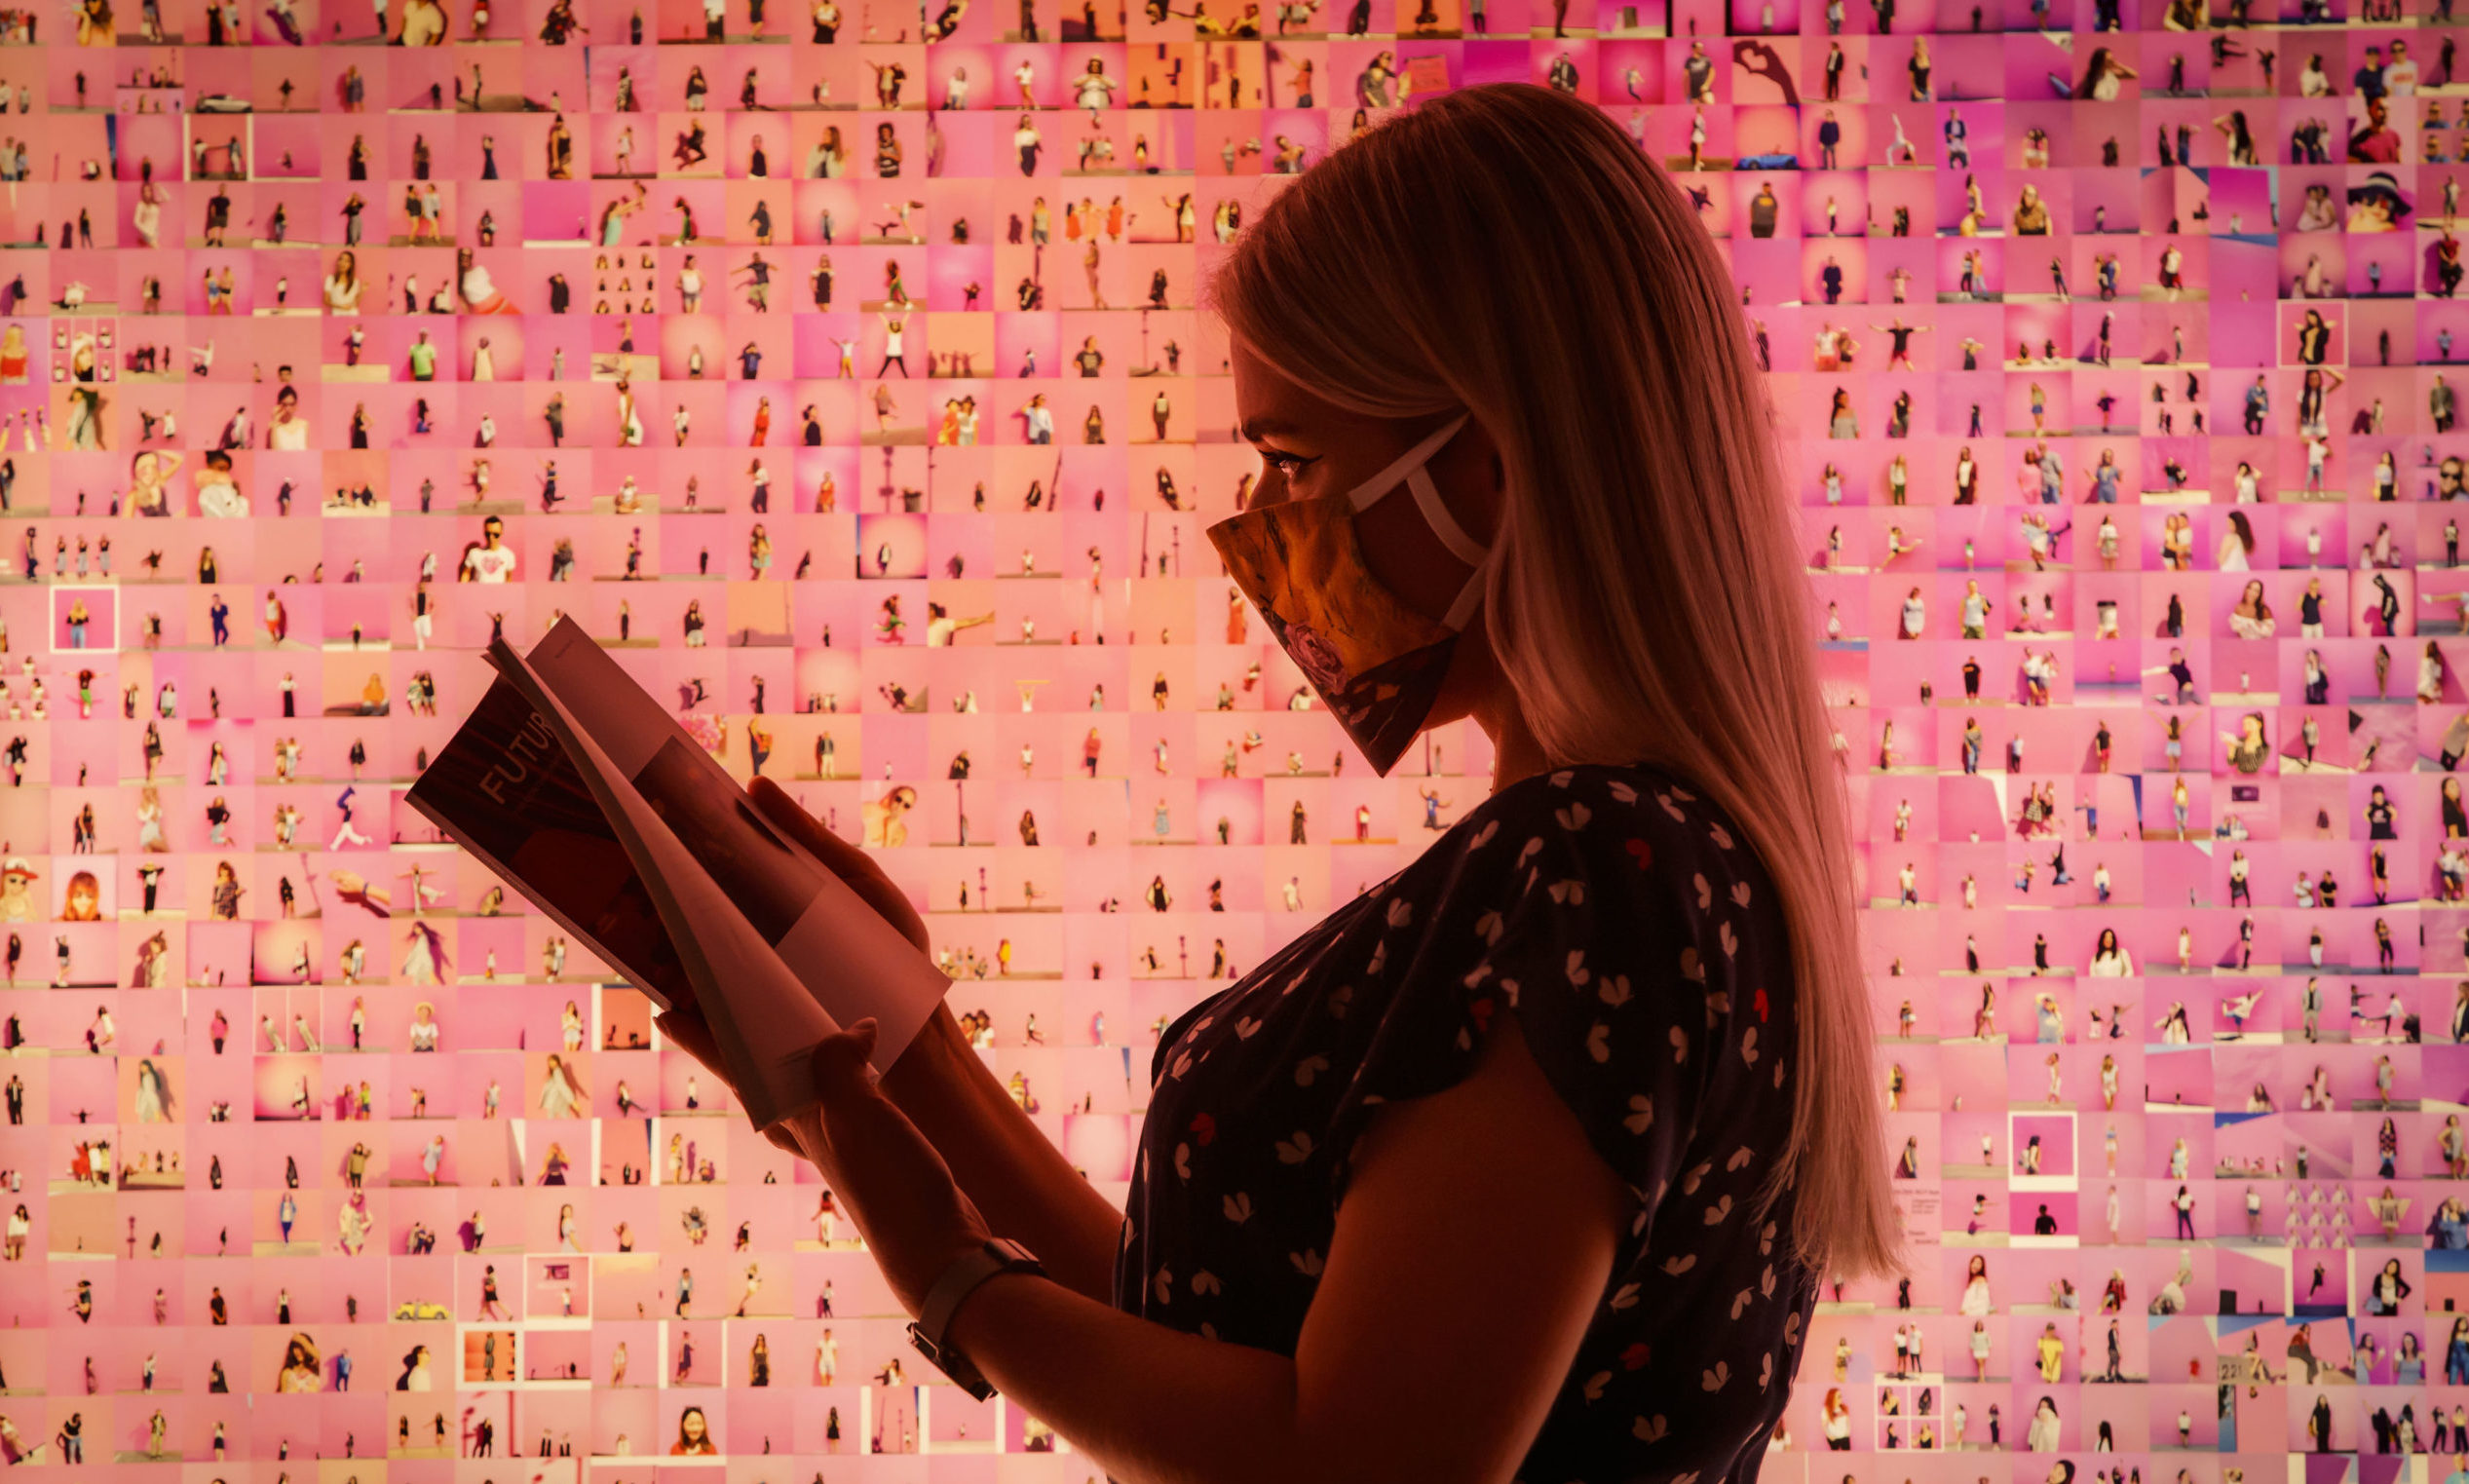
[[1375, 663]]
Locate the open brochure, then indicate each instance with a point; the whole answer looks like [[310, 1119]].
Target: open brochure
[[574, 786]]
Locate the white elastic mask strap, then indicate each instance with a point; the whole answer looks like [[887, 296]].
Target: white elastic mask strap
[[1409, 466], [1443, 524], [1469, 598]]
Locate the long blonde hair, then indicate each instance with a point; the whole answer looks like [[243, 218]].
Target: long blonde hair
[[1507, 249]]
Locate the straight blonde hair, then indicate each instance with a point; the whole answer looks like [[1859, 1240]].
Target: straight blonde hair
[[1507, 249]]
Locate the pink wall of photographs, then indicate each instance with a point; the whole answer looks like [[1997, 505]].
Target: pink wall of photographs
[[838, 365]]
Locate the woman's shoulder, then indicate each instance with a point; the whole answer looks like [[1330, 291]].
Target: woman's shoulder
[[1644, 819], [1616, 860], [1613, 908]]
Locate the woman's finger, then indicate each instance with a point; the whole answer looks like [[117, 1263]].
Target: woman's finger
[[686, 1027], [856, 868], [778, 806], [841, 1072], [683, 1027]]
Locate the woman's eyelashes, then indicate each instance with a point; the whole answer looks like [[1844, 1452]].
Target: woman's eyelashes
[[1288, 464]]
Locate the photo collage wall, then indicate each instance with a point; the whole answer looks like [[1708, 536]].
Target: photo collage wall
[[838, 365]]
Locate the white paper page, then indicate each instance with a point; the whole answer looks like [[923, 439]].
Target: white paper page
[[765, 1021], [851, 961]]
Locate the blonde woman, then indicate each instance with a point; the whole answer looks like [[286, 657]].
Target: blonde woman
[[1597, 537], [147, 215], [150, 833]]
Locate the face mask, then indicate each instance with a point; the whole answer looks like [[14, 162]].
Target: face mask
[[1375, 663]]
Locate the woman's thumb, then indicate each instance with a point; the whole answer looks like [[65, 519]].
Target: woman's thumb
[[840, 1061], [781, 808], [686, 1028]]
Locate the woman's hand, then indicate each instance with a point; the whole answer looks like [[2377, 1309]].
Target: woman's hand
[[886, 1176], [938, 1099], [884, 1173], [856, 868]]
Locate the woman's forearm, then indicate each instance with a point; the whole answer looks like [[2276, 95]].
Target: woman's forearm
[[1152, 1405], [1006, 1164]]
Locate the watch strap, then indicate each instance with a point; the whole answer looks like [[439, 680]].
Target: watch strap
[[998, 1256]]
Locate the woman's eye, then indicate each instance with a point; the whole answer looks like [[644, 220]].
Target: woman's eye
[[1286, 464]]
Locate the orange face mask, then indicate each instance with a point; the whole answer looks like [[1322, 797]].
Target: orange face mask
[[1375, 663]]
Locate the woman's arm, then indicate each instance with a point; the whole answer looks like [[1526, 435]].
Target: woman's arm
[[1018, 1180], [1378, 1386]]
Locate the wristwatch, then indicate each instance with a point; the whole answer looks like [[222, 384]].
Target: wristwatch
[[998, 1256]]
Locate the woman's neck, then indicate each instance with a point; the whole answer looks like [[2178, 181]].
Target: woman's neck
[[1516, 755]]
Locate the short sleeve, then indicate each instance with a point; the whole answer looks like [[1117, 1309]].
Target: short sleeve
[[1588, 904]]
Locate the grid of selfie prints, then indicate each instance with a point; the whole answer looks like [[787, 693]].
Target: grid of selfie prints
[[838, 365]]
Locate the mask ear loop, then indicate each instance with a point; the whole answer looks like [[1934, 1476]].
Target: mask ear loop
[[1469, 598], [1452, 535], [1436, 514], [1370, 491], [1444, 526]]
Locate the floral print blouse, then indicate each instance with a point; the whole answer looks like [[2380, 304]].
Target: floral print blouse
[[1617, 913]]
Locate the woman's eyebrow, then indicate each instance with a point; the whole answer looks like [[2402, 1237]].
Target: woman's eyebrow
[[1258, 428]]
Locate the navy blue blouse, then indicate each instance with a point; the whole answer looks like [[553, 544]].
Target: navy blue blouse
[[1618, 915]]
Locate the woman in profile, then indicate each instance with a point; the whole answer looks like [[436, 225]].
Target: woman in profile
[[1619, 1004]]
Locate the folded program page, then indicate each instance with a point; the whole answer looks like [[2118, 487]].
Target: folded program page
[[701, 900]]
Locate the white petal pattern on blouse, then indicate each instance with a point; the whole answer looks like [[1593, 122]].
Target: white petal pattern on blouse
[[1642, 949]]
